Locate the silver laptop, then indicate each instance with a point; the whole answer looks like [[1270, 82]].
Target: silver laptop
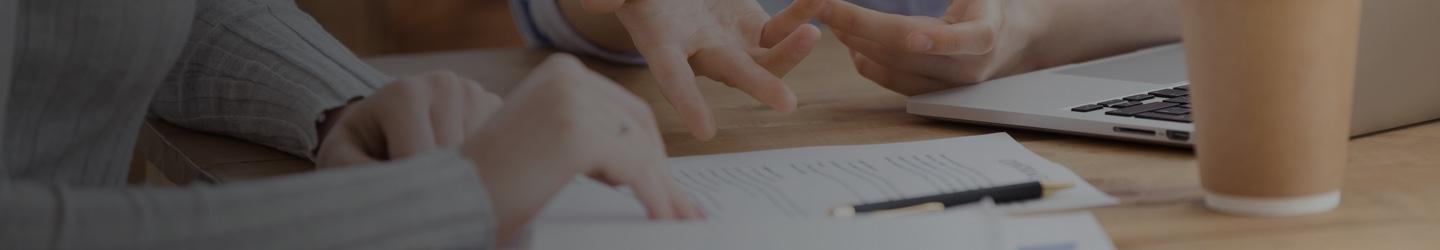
[[1142, 96]]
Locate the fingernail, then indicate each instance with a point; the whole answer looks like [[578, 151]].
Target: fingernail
[[920, 42]]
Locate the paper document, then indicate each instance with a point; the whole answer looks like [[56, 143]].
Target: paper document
[[968, 229], [808, 182], [1064, 231], [972, 229]]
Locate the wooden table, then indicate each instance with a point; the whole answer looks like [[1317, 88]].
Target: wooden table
[[1391, 198]]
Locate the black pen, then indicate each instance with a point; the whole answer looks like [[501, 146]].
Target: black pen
[[1001, 194]]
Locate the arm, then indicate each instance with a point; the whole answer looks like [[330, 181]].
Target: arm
[[979, 40], [1076, 31], [264, 71], [436, 201], [432, 201]]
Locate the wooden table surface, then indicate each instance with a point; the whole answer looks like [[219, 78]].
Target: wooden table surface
[[1391, 197]]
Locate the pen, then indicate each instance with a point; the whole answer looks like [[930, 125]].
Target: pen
[[1000, 194]]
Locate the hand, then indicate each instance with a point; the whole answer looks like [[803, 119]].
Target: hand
[[976, 40], [563, 121], [731, 41], [407, 117]]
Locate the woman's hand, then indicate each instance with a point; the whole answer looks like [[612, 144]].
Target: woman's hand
[[407, 117], [976, 40], [566, 120], [731, 41]]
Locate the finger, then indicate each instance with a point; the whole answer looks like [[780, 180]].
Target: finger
[[408, 135], [343, 149], [653, 195], [788, 20], [685, 207], [449, 113], [972, 30], [408, 129], [921, 64], [969, 38], [740, 71], [482, 104], [605, 179], [906, 84], [783, 57], [971, 10], [677, 83], [601, 6], [888, 29], [643, 153], [875, 51]]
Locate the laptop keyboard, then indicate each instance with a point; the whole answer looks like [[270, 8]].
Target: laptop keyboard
[[1172, 104]]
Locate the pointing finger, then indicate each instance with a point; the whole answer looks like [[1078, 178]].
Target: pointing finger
[[889, 29], [791, 51], [788, 20]]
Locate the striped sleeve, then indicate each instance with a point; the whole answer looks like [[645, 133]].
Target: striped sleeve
[[432, 201], [264, 71]]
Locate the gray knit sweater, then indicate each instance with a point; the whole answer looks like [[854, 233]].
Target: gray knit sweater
[[81, 75]]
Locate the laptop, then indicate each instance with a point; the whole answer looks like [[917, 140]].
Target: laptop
[[1143, 95]]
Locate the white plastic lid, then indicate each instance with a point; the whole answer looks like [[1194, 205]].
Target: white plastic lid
[[1273, 207]]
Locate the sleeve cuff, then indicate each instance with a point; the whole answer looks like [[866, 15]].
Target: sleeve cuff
[[543, 25]]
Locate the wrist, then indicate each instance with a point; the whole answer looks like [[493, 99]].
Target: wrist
[[603, 30], [1034, 20]]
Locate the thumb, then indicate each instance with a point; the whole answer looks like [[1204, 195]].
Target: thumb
[[954, 39], [971, 30], [601, 6], [343, 150]]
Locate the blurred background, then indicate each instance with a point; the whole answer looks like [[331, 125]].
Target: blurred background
[[381, 27]]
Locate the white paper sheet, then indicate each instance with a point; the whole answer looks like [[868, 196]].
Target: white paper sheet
[[1063, 231], [808, 182], [969, 229], [957, 229]]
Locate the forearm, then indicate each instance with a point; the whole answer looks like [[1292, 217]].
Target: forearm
[[434, 201], [1073, 31], [605, 30]]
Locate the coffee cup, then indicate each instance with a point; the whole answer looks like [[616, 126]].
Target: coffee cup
[[1271, 89]]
